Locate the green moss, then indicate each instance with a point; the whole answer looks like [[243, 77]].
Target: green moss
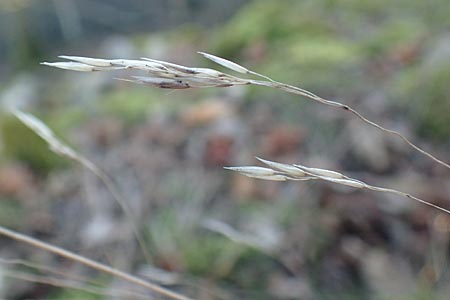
[[130, 104], [199, 252], [63, 119], [210, 255], [98, 282], [135, 103], [267, 21], [67, 294], [432, 104], [322, 51], [252, 272], [391, 34]]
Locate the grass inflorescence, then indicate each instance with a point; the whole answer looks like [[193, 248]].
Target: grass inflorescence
[[166, 75]]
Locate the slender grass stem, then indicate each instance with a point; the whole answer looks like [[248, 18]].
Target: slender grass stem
[[90, 263]]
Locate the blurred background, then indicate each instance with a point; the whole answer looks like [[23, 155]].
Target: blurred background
[[209, 233]]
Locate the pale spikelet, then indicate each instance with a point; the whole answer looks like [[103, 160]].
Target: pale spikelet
[[290, 172], [97, 62], [170, 66], [275, 177], [259, 172], [253, 170], [235, 67], [320, 172], [114, 64], [162, 82], [290, 169], [73, 66], [151, 67], [225, 63], [207, 72], [349, 182]]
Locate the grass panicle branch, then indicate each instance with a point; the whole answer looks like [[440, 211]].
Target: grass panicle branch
[[282, 172], [167, 75]]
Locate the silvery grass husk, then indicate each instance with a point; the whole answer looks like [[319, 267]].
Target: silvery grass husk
[[282, 172], [60, 148], [167, 75]]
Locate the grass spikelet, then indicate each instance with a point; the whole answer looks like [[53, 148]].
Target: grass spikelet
[[291, 169], [259, 172], [97, 62], [322, 174], [73, 66], [225, 63]]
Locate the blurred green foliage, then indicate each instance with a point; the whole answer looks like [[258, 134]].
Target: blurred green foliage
[[68, 294], [11, 212], [432, 103], [345, 48], [337, 48]]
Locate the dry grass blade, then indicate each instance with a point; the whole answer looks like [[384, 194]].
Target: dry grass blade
[[55, 144], [90, 263], [186, 77], [290, 173], [60, 148]]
